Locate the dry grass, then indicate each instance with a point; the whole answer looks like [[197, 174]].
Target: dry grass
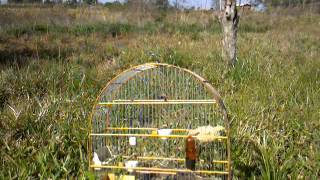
[[54, 60]]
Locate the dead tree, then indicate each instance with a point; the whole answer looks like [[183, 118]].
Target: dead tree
[[229, 20]]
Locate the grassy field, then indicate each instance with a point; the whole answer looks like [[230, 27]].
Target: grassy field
[[54, 61]]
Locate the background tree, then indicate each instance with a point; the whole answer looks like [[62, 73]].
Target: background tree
[[162, 4], [229, 20]]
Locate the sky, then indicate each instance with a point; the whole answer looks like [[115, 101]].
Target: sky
[[202, 4], [105, 1], [197, 4]]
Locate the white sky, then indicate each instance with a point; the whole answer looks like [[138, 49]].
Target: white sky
[[202, 4]]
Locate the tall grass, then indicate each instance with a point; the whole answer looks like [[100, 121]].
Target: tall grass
[[55, 60]]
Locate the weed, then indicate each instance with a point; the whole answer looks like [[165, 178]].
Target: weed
[[55, 60]]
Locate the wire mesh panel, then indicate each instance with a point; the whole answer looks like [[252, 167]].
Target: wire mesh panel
[[143, 116]]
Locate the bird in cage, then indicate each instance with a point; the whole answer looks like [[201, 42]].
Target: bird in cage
[[207, 133], [163, 96]]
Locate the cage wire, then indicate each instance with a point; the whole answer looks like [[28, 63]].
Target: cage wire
[[142, 118]]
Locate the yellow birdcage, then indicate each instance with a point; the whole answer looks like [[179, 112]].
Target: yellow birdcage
[[142, 118]]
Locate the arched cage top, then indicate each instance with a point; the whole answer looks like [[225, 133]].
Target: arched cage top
[[136, 105]]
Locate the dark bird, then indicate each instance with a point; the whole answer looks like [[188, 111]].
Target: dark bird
[[163, 96]]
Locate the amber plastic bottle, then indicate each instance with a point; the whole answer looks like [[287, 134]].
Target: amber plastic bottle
[[191, 153]]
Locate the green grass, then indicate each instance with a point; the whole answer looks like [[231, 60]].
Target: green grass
[[53, 69]]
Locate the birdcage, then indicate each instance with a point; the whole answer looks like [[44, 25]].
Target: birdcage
[[143, 117]]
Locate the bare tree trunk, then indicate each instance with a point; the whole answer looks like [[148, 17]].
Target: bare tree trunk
[[229, 20]]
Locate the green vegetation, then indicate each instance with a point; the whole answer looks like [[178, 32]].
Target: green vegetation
[[55, 60]]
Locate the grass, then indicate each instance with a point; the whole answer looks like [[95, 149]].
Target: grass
[[54, 60]]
